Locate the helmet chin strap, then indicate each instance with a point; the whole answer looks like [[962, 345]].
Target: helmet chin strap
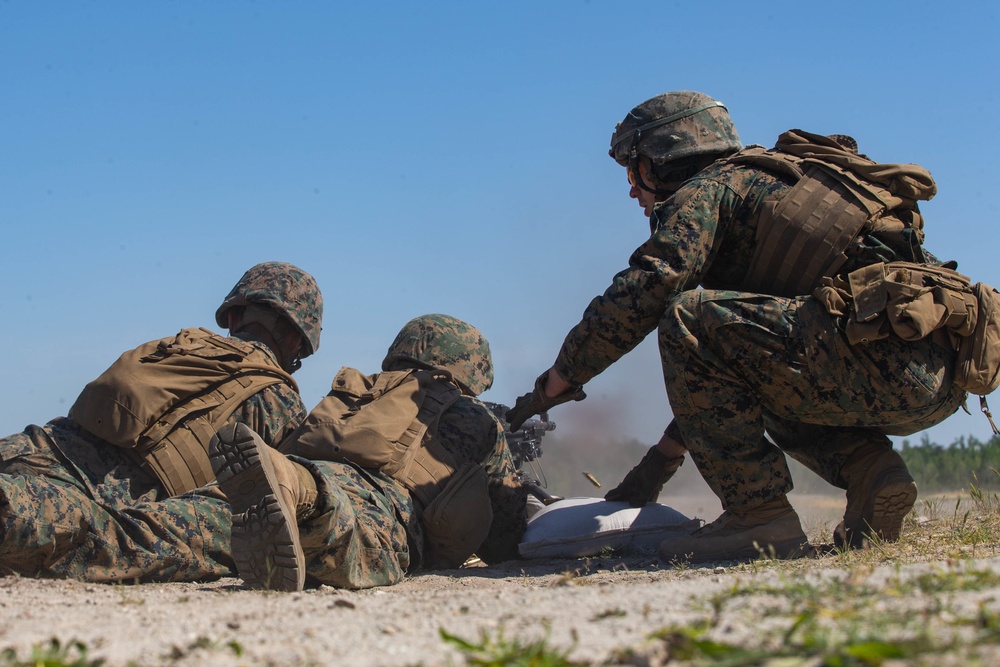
[[636, 173], [654, 191], [294, 365]]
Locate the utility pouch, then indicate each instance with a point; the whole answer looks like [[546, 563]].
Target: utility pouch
[[921, 299], [978, 364], [912, 301], [867, 286], [458, 520]]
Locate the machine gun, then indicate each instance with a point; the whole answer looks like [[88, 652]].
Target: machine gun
[[526, 447]]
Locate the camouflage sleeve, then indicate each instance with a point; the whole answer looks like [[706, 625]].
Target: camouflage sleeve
[[471, 430], [273, 412], [673, 259]]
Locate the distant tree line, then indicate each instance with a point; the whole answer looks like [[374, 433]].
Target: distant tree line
[[939, 468]]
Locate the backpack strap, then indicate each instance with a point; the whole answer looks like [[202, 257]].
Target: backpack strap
[[175, 447], [426, 466], [179, 455]]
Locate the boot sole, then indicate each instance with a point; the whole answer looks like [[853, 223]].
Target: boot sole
[[892, 503], [265, 536]]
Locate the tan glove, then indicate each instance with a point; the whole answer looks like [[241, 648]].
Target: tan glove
[[536, 401], [644, 482]]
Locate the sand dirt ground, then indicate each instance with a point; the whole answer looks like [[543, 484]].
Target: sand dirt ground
[[595, 607]]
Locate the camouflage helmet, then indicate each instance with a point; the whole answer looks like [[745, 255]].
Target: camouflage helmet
[[446, 343], [288, 290], [673, 126]]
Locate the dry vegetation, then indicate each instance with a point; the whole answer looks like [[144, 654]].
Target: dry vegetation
[[933, 598]]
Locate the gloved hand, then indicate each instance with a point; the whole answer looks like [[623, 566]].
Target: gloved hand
[[644, 482], [536, 401]]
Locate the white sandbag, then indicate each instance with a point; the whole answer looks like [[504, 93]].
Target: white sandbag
[[578, 527]]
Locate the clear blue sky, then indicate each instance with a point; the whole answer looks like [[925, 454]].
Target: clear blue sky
[[424, 157]]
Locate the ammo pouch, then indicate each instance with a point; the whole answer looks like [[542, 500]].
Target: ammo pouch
[[164, 400], [388, 421], [912, 301], [458, 519]]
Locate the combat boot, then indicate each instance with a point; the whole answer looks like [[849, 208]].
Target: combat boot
[[880, 493], [771, 529], [269, 495]]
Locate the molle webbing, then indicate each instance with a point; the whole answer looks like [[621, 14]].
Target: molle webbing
[[164, 400], [837, 196], [806, 235], [426, 466], [387, 421], [178, 455]]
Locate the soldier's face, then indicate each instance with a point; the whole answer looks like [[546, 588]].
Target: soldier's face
[[645, 198]]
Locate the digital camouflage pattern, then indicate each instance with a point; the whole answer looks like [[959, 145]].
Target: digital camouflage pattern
[[74, 506], [753, 358], [446, 343], [700, 126], [285, 288], [357, 536], [736, 363], [366, 531]]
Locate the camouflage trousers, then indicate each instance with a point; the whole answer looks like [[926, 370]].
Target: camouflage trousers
[[360, 534], [738, 365], [73, 506]]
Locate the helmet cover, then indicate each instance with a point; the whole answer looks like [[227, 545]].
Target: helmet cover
[[674, 126], [287, 289], [445, 343]]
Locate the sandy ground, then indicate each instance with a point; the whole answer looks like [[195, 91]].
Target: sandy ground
[[197, 624], [597, 608]]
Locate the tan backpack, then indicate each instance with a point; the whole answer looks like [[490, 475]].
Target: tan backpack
[[388, 421], [838, 194], [164, 401]]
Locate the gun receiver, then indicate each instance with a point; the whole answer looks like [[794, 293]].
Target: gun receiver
[[526, 447]]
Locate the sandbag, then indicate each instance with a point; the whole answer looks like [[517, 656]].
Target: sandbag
[[580, 527]]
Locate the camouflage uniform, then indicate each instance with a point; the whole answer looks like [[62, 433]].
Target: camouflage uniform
[[74, 506], [366, 531], [350, 526], [736, 363]]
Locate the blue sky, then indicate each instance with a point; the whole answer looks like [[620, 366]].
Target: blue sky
[[424, 157]]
